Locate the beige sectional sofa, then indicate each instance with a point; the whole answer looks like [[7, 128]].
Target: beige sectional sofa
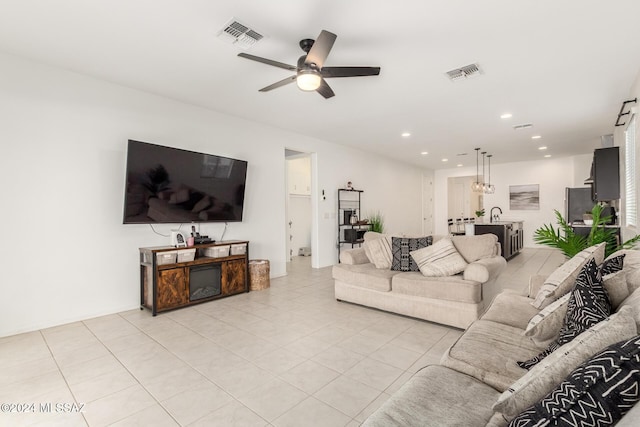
[[455, 300], [479, 383]]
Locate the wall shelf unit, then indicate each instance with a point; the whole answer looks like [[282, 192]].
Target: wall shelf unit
[[350, 227]]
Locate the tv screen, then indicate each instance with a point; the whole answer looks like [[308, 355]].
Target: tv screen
[[170, 185]]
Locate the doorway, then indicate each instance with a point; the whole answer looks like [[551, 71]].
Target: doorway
[[462, 202], [299, 209]]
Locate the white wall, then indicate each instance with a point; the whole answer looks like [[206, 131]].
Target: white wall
[[553, 176], [66, 255]]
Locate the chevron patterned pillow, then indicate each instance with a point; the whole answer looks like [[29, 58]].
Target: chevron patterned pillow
[[597, 393]]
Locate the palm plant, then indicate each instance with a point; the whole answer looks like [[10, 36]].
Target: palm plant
[[570, 243]]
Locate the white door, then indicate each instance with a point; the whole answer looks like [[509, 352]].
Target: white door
[[427, 204]]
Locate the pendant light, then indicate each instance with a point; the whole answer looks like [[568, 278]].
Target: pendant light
[[489, 188], [484, 175], [477, 185]]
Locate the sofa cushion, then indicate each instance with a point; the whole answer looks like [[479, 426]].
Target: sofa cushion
[[546, 324], [633, 301], [562, 279], [597, 393], [631, 267], [401, 248], [439, 260], [617, 289], [488, 351], [473, 248], [364, 275], [588, 305], [437, 397], [379, 251], [510, 308], [354, 256], [541, 379], [451, 288]]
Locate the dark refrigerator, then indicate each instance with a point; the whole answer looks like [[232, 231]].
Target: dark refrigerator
[[577, 202]]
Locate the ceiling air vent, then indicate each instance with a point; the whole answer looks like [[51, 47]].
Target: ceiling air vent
[[239, 34], [523, 126], [465, 72]]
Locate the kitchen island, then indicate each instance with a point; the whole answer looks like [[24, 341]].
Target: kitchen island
[[510, 235]]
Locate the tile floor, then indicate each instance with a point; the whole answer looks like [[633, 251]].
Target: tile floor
[[290, 355]]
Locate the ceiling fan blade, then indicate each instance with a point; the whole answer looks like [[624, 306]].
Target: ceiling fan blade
[[278, 84], [320, 49], [268, 61], [325, 90], [328, 72]]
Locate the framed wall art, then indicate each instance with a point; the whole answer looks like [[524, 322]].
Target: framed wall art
[[524, 197]]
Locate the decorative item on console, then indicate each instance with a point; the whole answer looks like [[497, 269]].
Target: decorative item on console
[[178, 239]]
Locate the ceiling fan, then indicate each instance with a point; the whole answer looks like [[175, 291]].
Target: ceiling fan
[[310, 73]]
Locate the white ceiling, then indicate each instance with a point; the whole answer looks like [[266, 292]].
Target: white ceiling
[[564, 66]]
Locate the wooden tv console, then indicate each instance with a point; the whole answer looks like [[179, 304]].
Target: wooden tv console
[[218, 270]]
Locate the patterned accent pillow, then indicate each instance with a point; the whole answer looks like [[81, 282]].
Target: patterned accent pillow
[[546, 375], [612, 265], [439, 260], [597, 393], [401, 248], [562, 279], [379, 251], [588, 305]]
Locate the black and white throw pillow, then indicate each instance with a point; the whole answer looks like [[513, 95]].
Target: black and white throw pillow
[[597, 393], [612, 265], [401, 247], [588, 304]]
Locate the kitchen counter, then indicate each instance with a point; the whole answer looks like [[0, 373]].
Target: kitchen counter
[[510, 235]]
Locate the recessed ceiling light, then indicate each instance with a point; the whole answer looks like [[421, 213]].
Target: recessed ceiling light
[[459, 165], [547, 155], [542, 148], [506, 116], [406, 134], [536, 137], [424, 153], [445, 160]]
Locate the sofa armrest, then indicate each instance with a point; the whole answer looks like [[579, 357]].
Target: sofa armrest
[[485, 269], [535, 283], [354, 256]]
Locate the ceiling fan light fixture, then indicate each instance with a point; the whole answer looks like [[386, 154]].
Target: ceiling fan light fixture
[[308, 80]]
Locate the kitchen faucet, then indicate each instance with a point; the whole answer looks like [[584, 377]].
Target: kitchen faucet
[[495, 217]]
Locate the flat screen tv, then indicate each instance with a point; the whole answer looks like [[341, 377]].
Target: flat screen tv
[[170, 185]]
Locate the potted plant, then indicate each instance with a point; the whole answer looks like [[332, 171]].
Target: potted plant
[[570, 243], [479, 215], [376, 221]]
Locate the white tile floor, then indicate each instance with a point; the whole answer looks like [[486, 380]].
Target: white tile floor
[[290, 355]]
